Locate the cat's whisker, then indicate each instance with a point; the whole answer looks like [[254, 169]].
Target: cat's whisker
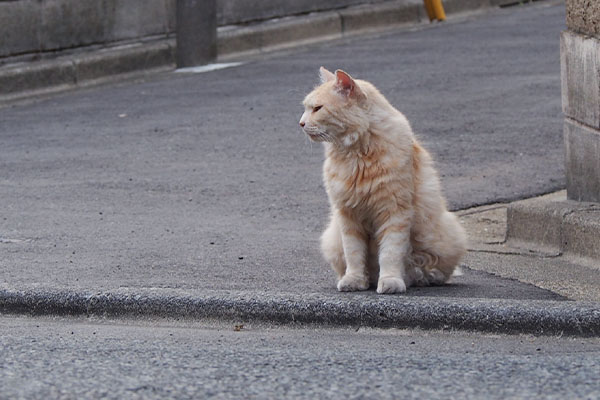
[[307, 140], [333, 139]]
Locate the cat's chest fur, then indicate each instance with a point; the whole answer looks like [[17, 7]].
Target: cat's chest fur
[[364, 181]]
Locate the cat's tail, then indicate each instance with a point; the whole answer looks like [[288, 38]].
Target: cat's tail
[[426, 277], [422, 270]]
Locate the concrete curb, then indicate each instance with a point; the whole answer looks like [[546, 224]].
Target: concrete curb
[[495, 316], [79, 69], [563, 226], [27, 79]]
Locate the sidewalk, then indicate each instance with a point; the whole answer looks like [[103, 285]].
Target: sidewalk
[[523, 254], [196, 195]]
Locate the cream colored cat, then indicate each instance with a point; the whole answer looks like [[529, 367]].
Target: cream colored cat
[[389, 223]]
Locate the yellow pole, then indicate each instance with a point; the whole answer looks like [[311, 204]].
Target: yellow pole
[[438, 10], [429, 8]]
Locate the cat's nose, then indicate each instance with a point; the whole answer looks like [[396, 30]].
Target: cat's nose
[[302, 124]]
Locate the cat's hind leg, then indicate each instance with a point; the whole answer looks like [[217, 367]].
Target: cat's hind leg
[[439, 248], [333, 249], [451, 247]]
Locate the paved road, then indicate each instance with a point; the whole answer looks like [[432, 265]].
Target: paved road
[[42, 359], [206, 182]]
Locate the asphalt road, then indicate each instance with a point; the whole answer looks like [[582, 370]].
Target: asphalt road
[[43, 358], [205, 181]]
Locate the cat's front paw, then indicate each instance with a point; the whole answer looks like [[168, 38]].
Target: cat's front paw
[[391, 285], [352, 283]]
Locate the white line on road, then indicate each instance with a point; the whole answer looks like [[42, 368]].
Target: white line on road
[[207, 68]]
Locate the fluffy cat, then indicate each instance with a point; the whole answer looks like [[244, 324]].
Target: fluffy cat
[[389, 223]]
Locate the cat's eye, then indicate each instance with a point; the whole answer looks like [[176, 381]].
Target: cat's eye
[[317, 108]]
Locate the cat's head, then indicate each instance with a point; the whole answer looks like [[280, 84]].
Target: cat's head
[[335, 111]]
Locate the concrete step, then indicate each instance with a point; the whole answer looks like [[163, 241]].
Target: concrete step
[[565, 226], [545, 241]]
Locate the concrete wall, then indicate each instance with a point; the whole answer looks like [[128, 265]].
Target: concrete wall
[[580, 68], [29, 26], [583, 16], [33, 26]]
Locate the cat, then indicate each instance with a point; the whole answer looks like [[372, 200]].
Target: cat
[[389, 224]]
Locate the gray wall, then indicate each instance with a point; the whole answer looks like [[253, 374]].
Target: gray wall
[[36, 26], [580, 66], [28, 26]]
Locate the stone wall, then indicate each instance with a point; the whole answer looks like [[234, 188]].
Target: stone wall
[[583, 16], [580, 66]]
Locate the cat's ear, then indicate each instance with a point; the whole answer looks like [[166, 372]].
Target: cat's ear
[[326, 75], [346, 85]]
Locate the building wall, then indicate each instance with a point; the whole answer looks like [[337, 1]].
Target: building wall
[[34, 26]]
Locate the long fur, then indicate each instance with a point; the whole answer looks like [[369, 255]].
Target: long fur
[[389, 224]]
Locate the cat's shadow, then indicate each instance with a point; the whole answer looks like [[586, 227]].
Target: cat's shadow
[[471, 284]]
